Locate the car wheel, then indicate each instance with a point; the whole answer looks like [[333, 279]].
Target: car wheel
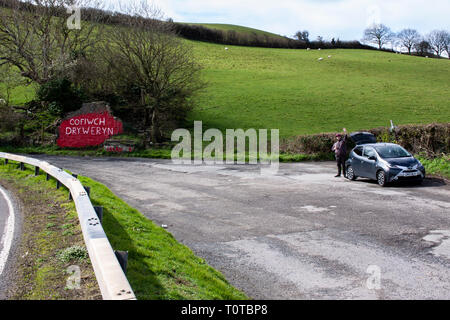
[[381, 178], [351, 173]]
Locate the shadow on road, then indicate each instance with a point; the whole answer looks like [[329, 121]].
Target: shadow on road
[[430, 182]]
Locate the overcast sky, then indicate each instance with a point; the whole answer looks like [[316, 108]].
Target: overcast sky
[[345, 19]]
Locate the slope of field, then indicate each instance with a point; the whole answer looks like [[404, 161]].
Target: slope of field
[[292, 91], [232, 27]]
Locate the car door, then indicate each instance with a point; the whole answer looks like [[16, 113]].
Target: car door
[[357, 160], [368, 166]]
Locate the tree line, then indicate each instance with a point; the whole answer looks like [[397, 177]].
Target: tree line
[[255, 39], [434, 43], [96, 14]]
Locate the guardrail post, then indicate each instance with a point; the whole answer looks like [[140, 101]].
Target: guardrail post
[[99, 211], [6, 161], [36, 171], [58, 184], [88, 191], [48, 177], [70, 193], [122, 257], [22, 166]]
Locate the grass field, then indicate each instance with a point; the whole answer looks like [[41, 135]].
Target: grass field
[[292, 91], [20, 95]]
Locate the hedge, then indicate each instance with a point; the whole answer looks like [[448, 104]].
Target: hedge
[[431, 140]]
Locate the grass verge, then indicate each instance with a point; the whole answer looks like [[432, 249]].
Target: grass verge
[[148, 153], [88, 152], [50, 226], [439, 166]]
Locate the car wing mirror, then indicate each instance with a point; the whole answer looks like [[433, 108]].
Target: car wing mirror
[[374, 158]]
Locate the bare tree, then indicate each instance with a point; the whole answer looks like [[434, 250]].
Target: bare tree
[[408, 38], [320, 40], [437, 41], [152, 67], [446, 41], [422, 48], [35, 37], [378, 34], [302, 36]]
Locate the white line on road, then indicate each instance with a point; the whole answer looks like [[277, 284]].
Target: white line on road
[[8, 232]]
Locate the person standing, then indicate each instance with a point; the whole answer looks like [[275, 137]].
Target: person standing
[[340, 150]]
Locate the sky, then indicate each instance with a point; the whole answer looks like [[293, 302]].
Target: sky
[[344, 19]]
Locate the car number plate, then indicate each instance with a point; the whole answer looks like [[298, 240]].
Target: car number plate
[[410, 174]]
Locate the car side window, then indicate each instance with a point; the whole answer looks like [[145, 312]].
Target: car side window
[[369, 152], [359, 151]]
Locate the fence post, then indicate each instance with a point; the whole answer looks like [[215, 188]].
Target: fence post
[[122, 257], [88, 191], [99, 211]]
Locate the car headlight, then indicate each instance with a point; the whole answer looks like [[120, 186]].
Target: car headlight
[[420, 165], [392, 166]]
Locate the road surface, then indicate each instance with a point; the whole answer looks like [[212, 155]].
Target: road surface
[[8, 237], [301, 234]]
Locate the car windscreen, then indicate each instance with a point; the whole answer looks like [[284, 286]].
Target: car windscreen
[[389, 152]]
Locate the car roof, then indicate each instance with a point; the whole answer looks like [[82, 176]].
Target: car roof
[[377, 144]]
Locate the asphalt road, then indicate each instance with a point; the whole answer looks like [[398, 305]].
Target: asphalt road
[[301, 234], [9, 225]]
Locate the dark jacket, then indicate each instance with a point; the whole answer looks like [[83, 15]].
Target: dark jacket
[[340, 148]]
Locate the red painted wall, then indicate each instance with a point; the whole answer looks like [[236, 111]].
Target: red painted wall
[[88, 130]]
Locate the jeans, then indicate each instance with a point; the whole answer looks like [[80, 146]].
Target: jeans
[[341, 165]]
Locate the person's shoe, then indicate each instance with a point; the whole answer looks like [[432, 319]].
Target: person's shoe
[[338, 176]]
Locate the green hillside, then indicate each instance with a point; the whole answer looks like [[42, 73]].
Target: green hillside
[[232, 27], [292, 91]]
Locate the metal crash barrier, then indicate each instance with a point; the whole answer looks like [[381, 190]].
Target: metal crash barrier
[[108, 271]]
